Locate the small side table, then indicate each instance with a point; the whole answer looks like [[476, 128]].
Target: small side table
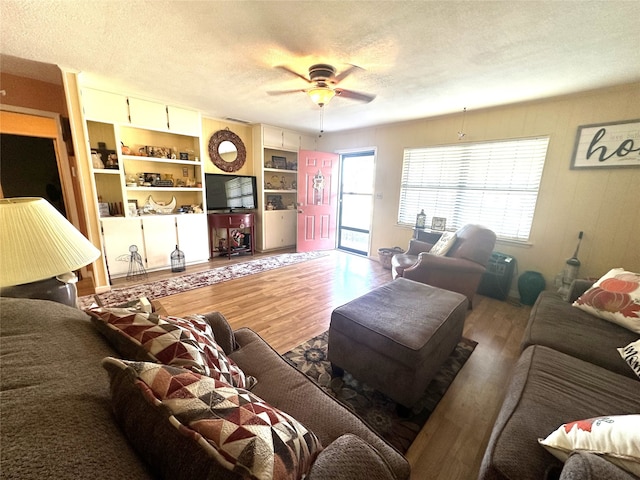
[[230, 221], [427, 235]]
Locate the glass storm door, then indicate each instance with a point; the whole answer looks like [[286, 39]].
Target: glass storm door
[[356, 201]]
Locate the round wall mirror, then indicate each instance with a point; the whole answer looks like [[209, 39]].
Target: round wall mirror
[[227, 150]]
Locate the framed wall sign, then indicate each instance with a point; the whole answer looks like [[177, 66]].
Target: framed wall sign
[[607, 145]]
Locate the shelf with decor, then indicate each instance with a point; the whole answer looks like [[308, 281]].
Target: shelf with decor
[[150, 167], [153, 181], [276, 166]]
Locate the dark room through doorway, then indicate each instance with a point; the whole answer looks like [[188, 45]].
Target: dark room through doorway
[[29, 168]]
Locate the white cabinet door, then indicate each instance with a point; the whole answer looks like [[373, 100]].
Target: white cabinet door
[[193, 237], [290, 140], [275, 137], [272, 230], [290, 227], [272, 136], [148, 114], [104, 106], [159, 240], [118, 235], [279, 229], [183, 121]]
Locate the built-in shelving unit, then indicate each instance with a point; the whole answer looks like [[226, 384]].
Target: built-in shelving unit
[[276, 166], [144, 155]]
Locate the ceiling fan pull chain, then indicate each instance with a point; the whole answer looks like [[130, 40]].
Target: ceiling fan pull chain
[[321, 121]]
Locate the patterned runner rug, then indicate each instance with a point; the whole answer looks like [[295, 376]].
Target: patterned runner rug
[[376, 409], [183, 283]]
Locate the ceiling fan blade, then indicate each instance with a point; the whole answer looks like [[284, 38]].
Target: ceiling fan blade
[[346, 73], [362, 97], [284, 92], [287, 69]]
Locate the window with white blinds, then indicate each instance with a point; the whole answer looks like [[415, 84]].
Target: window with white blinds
[[494, 184]]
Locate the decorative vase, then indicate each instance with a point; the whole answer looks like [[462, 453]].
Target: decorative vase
[[96, 160], [530, 284]]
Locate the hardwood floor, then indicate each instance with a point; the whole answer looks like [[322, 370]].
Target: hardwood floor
[[288, 305]]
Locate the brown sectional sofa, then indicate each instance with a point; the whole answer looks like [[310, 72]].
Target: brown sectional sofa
[[569, 370], [56, 414]]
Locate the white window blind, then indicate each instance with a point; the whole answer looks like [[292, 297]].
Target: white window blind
[[494, 184]]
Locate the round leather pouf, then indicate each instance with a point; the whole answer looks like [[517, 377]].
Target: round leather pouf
[[530, 284]]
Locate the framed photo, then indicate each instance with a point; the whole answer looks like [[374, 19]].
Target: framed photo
[[103, 209], [438, 223], [152, 178], [607, 145], [132, 207], [279, 162]]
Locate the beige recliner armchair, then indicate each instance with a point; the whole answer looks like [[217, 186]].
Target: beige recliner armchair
[[459, 270]]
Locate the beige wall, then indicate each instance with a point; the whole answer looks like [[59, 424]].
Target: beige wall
[[211, 126], [605, 203]]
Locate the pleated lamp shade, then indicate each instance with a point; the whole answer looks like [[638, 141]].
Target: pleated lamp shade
[[37, 242]]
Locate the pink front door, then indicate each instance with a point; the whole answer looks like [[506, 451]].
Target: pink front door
[[317, 200]]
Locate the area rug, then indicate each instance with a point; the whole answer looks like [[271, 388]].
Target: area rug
[[376, 409], [183, 283]]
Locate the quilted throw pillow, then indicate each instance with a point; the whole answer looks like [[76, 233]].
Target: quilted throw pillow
[[631, 355], [186, 342], [236, 428], [615, 297], [444, 244], [616, 438]]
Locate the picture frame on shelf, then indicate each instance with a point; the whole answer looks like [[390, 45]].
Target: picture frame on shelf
[[103, 209], [279, 162], [152, 178], [438, 223], [132, 207]]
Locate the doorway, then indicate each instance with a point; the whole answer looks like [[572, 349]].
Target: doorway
[[357, 172], [29, 168]]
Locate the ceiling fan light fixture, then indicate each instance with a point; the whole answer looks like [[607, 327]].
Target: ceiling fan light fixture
[[321, 95]]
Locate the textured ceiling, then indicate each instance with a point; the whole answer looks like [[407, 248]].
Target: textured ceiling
[[421, 58]]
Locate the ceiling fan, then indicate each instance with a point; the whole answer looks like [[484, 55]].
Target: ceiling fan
[[324, 84]]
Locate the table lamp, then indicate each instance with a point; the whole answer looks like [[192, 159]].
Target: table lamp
[[39, 250]]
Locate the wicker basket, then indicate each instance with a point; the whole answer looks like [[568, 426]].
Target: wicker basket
[[386, 254]]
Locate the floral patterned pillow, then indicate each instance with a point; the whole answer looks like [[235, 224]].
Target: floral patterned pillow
[[615, 297]]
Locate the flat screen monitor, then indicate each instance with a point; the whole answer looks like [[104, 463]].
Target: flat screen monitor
[[231, 192]]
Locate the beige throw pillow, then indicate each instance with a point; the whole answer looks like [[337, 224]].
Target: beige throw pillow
[[443, 245], [615, 438]]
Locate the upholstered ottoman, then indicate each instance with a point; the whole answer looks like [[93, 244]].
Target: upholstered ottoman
[[396, 337]]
